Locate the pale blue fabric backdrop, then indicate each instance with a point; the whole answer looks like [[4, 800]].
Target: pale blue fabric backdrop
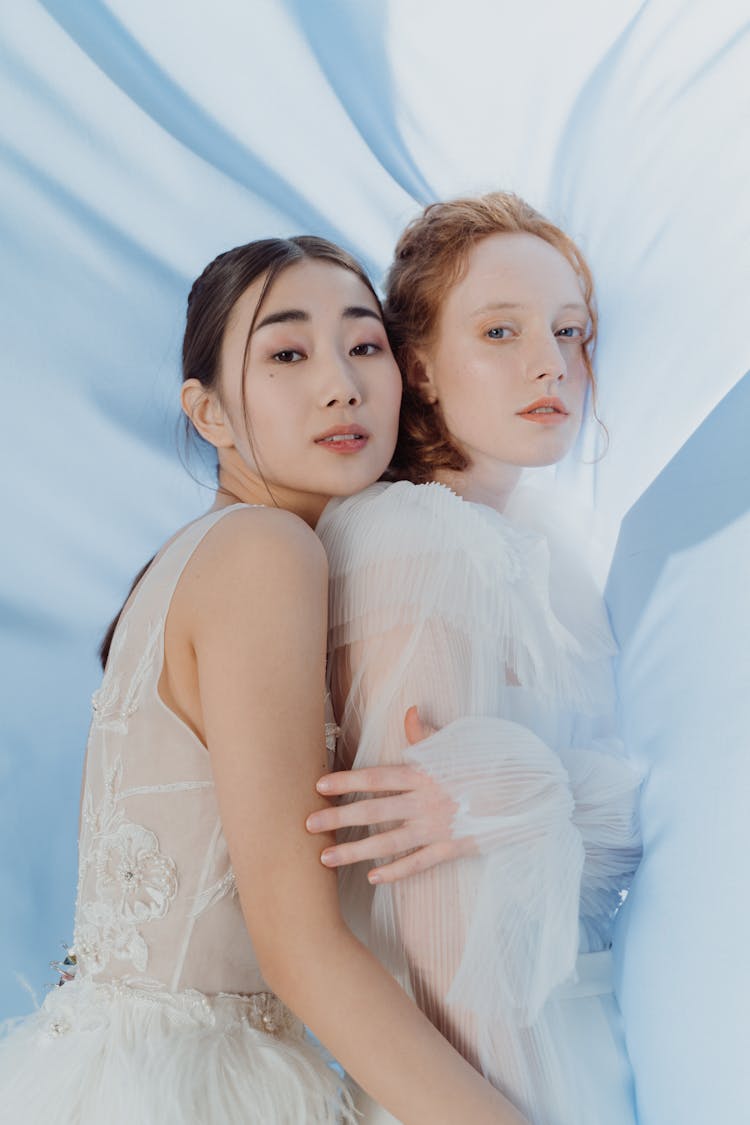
[[140, 139]]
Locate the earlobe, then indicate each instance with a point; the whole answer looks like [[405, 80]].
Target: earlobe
[[207, 414], [420, 379]]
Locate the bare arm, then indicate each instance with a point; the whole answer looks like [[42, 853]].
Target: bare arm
[[258, 592]]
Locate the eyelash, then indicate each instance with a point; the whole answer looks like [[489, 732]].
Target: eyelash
[[293, 351], [285, 352], [375, 349], [571, 328]]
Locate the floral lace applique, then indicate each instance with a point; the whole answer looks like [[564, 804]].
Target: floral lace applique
[[112, 707], [135, 882]]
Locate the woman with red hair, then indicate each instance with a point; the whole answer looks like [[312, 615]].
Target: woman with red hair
[[459, 588]]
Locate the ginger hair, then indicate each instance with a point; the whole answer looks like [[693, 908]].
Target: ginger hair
[[430, 258]]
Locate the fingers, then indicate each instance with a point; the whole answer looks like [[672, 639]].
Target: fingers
[[360, 813], [391, 843], [374, 779], [372, 847], [411, 864], [415, 729]]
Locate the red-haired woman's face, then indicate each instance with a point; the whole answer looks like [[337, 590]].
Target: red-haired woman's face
[[506, 362]]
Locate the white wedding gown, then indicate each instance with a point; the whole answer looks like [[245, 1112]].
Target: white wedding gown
[[168, 1020], [492, 626]]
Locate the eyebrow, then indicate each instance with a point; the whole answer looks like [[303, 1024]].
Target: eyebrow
[[284, 316], [576, 306]]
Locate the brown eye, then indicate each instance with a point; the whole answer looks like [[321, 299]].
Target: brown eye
[[365, 350], [287, 356]]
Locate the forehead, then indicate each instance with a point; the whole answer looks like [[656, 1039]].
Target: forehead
[[519, 268], [314, 286]]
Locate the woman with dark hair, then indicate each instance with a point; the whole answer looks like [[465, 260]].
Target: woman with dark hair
[[459, 589], [207, 735]]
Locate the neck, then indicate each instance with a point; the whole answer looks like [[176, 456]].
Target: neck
[[243, 487], [484, 482]]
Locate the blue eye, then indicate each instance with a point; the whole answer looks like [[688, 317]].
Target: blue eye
[[571, 333], [498, 333], [364, 350], [287, 356]]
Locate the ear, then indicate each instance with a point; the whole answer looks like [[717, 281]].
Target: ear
[[419, 376], [207, 414]]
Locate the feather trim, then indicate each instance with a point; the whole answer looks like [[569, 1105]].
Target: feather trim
[[109, 1053]]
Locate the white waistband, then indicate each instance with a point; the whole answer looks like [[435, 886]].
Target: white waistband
[[86, 1002]]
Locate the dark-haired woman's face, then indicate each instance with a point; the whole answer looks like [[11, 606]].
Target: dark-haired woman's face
[[321, 388], [506, 363]]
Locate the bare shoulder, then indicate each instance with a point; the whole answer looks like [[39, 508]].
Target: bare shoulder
[[258, 538], [253, 554]]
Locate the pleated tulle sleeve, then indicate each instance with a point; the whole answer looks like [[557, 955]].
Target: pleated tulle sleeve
[[514, 800], [560, 839], [606, 790], [449, 606]]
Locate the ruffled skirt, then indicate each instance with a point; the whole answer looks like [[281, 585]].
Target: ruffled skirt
[[98, 1053]]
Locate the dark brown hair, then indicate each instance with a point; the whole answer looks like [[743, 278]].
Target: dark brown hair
[[209, 305], [429, 259]]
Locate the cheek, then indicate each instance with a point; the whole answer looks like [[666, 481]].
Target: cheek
[[453, 378], [581, 383], [475, 390], [273, 396], [388, 384], [273, 418], [577, 378]]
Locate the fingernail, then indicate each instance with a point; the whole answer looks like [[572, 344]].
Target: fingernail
[[312, 823], [328, 857], [374, 877], [323, 786]]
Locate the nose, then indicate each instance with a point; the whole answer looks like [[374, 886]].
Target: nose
[[547, 361], [341, 387]]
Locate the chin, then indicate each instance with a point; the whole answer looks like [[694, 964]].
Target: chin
[[351, 488], [548, 453], [353, 482], [543, 460]]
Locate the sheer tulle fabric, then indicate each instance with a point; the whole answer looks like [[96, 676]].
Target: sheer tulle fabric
[[490, 625], [169, 1020]]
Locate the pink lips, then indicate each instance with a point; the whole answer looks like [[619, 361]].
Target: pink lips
[[548, 411], [344, 439]]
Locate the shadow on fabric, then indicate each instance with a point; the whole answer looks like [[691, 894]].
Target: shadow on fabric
[[703, 489]]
